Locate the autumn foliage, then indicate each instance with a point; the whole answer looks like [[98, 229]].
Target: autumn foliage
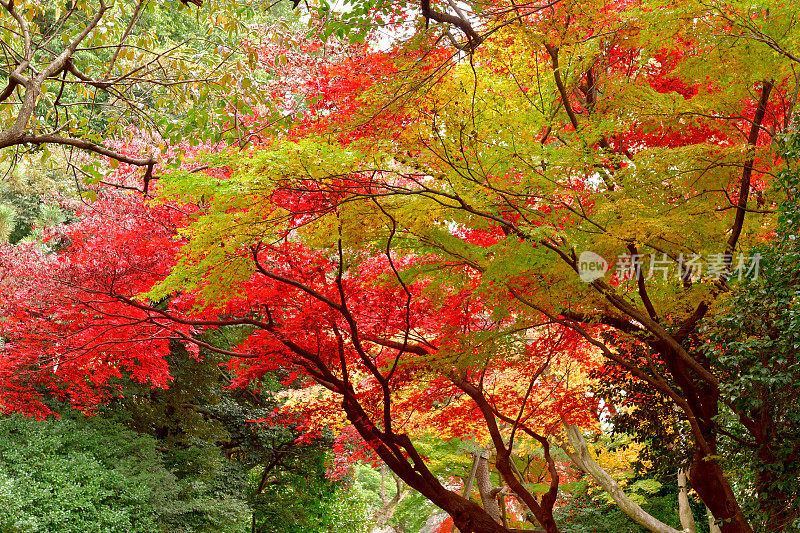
[[408, 247]]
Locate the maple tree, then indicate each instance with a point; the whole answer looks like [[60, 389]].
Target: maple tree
[[657, 165], [80, 79], [423, 223], [89, 331]]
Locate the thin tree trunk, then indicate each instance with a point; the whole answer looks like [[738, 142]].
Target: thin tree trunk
[[382, 515], [468, 485], [486, 488], [684, 510], [582, 458], [468, 516], [542, 508], [712, 524]]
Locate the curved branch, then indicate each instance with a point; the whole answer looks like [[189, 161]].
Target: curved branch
[[579, 454], [462, 24]]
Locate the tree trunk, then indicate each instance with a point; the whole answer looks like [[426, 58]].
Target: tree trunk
[[486, 489], [581, 457], [396, 450], [711, 485], [382, 515], [684, 510], [705, 474], [712, 524]]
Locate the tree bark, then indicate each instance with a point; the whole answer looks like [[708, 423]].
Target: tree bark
[[468, 516], [700, 404], [712, 524], [486, 488], [711, 485], [382, 515], [684, 510], [582, 458]]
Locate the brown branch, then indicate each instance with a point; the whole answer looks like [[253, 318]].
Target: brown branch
[[462, 24], [417, 349], [642, 286], [543, 511], [553, 51], [9, 90], [607, 320], [89, 146], [744, 187], [125, 34]]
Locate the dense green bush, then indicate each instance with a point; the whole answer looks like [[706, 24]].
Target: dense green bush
[[94, 475], [587, 514]]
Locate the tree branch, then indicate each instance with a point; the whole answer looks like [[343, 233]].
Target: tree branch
[[744, 187]]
